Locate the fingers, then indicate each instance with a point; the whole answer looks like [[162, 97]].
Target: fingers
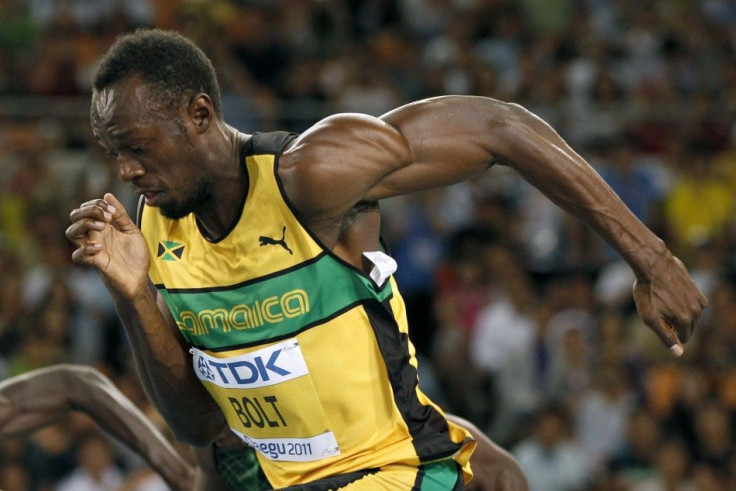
[[80, 229], [671, 310], [674, 342], [85, 235], [699, 301], [93, 214], [686, 326], [88, 223], [114, 202], [85, 254], [96, 209], [120, 218], [90, 217], [675, 332], [685, 316], [667, 334]]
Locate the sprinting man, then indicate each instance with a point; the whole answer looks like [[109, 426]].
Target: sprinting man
[[306, 356]]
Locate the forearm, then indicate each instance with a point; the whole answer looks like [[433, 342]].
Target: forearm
[[547, 162], [581, 192], [452, 138], [165, 370], [96, 396], [30, 402]]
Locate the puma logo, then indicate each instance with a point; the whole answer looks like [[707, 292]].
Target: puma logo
[[271, 241]]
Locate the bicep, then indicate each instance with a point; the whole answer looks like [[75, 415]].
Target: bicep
[[348, 158], [459, 137], [426, 144], [450, 139]]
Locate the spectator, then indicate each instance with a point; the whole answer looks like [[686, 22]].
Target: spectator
[[95, 469], [634, 461], [601, 415], [672, 470], [551, 459], [698, 205]]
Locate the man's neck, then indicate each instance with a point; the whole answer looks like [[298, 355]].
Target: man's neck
[[219, 214]]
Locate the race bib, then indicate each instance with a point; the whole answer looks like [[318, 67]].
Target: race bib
[[270, 401]]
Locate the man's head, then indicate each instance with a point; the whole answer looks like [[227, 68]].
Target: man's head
[[154, 106], [171, 65]]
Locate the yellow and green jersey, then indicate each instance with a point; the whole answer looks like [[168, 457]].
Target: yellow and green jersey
[[308, 356]]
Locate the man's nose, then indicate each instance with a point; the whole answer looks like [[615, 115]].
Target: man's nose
[[130, 169]]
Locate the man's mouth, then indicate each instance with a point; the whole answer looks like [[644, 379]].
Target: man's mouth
[[151, 197]]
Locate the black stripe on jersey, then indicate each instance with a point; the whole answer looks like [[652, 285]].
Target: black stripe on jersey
[[268, 143], [242, 283], [332, 483], [428, 428], [418, 481]]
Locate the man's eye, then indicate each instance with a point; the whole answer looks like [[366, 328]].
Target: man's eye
[[113, 155], [138, 150]]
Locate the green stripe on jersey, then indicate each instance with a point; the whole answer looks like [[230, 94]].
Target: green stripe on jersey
[[441, 476], [270, 308]]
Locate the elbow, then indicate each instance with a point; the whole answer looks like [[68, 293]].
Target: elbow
[[519, 114], [79, 381], [85, 376], [86, 386]]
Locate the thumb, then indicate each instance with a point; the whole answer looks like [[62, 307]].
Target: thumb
[[669, 337], [120, 218], [656, 322]]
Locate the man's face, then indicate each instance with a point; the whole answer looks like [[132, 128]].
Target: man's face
[[155, 147]]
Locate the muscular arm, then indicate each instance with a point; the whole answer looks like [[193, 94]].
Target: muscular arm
[[109, 240], [42, 397], [440, 141], [164, 367]]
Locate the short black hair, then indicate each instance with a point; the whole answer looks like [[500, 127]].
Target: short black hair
[[169, 62]]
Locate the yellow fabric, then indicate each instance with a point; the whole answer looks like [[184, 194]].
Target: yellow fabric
[[239, 256], [343, 390]]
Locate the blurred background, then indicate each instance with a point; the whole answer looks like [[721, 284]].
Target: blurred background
[[521, 316]]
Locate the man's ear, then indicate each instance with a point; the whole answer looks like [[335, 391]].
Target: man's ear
[[201, 112]]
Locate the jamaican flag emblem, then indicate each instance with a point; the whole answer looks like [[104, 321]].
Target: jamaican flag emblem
[[170, 251]]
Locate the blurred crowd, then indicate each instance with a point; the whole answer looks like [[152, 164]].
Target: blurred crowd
[[522, 317]]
